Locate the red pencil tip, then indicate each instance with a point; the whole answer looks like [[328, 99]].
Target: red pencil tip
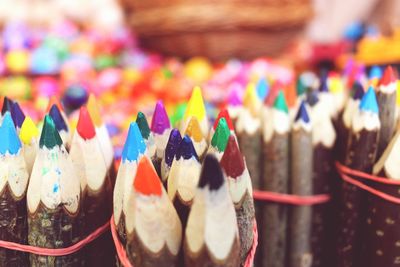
[[388, 76], [85, 125], [146, 180], [224, 114], [232, 161]]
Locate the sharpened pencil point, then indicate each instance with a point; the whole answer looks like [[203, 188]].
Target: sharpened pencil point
[[28, 131], [280, 102], [369, 102], [221, 135], [358, 90], [224, 114], [195, 107], [186, 149], [375, 72], [174, 141], [232, 161], [323, 87], [134, 144], [7, 105], [388, 76], [17, 115], [193, 130], [302, 114], [9, 139], [211, 173], [57, 118], [50, 136], [262, 88], [85, 125], [143, 125], [312, 97], [146, 180], [160, 121]]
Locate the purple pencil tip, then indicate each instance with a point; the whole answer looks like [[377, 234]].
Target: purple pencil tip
[[160, 121]]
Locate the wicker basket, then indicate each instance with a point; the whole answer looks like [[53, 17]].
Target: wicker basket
[[217, 29]]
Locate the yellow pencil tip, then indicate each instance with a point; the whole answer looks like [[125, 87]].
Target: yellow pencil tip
[[94, 110], [250, 96], [28, 131], [193, 130], [195, 107]]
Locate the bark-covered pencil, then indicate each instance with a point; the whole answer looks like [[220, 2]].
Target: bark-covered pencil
[[361, 153], [174, 140], [54, 201], [134, 149], [241, 190], [14, 184], [212, 236], [29, 136], [195, 133], [184, 177], [161, 128], [386, 97], [88, 160], [273, 223], [154, 230], [300, 253]]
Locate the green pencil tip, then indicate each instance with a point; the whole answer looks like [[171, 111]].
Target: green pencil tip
[[50, 136], [143, 125], [280, 102], [221, 135], [300, 87]]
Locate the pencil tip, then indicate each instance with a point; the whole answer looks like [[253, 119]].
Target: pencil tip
[[7, 105], [250, 96], [94, 110], [134, 144], [312, 97], [302, 113], [323, 87], [17, 115], [358, 90], [186, 149], [211, 173], [262, 88], [224, 114], [28, 131], [195, 107], [369, 102], [280, 102], [57, 118], [160, 121], [375, 72], [232, 161], [388, 76], [193, 130], [221, 135], [85, 125], [172, 146], [143, 125], [50, 136], [8, 136], [146, 180]]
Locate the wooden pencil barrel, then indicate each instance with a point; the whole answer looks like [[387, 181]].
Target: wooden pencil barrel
[[217, 29]]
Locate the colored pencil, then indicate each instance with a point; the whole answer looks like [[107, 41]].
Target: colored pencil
[[196, 108], [183, 179], [61, 125], [14, 184], [323, 219], [386, 97], [273, 222], [17, 115], [361, 153], [154, 231], [7, 106], [103, 136], [193, 130], [134, 149], [161, 128], [241, 190], [212, 235], [224, 113], [300, 253], [54, 201], [219, 139], [174, 140], [147, 135], [88, 160], [29, 136]]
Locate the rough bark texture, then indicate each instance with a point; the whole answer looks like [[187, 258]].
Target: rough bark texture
[[97, 207], [323, 217], [342, 133], [204, 259], [387, 110], [13, 227], [245, 219], [273, 227], [382, 234], [300, 254], [182, 208], [54, 229], [112, 173], [361, 153], [141, 256], [121, 229]]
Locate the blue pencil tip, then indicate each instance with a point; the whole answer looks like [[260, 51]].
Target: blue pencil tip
[[174, 140], [302, 114], [134, 144], [368, 101], [262, 88], [312, 98], [59, 122], [7, 105], [17, 115], [358, 90], [323, 87], [375, 72], [8, 136], [186, 149]]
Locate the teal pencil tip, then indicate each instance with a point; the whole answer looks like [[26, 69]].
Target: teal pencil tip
[[50, 136]]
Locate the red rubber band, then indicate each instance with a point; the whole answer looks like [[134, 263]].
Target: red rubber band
[[291, 199], [126, 263], [56, 251], [344, 171]]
